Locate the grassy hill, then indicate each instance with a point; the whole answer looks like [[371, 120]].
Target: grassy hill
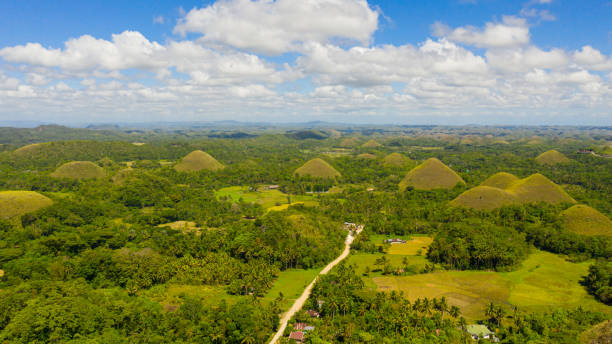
[[585, 220], [552, 157], [371, 144], [397, 160], [122, 175], [432, 174], [500, 180], [484, 197], [79, 170], [349, 142], [505, 189], [198, 161], [538, 188], [317, 168], [366, 156], [17, 203]]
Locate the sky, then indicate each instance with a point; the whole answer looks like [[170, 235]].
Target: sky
[[351, 61]]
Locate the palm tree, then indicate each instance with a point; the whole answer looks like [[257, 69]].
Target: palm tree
[[249, 339], [454, 312]]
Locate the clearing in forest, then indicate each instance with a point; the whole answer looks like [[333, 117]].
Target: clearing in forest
[[198, 161], [79, 170], [431, 174], [317, 168], [268, 199], [544, 281], [585, 220], [17, 203], [552, 157]]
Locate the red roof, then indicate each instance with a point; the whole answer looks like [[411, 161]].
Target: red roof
[[297, 335], [313, 313]]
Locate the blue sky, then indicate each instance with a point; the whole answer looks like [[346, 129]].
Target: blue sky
[[486, 61]]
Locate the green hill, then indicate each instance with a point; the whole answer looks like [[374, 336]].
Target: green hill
[[585, 220], [537, 188], [552, 157], [366, 156], [198, 161], [17, 203], [317, 168], [500, 180], [348, 142], [122, 175], [432, 174], [371, 144], [484, 197], [397, 160], [79, 170]]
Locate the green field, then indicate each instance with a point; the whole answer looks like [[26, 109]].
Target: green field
[[268, 199], [291, 283], [544, 281]]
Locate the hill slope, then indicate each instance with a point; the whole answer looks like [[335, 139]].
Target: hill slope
[[537, 188], [585, 220], [484, 197], [366, 156], [198, 161], [500, 180], [371, 144], [552, 157], [317, 168], [79, 170], [432, 174], [397, 160], [17, 203]]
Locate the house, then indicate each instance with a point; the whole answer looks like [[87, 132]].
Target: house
[[320, 303], [309, 328], [313, 313], [298, 336], [272, 187], [395, 241], [370, 189], [478, 332], [303, 327]]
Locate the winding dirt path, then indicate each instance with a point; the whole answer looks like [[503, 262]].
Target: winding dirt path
[[299, 303]]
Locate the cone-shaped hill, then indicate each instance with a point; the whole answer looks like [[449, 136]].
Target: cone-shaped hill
[[198, 161], [431, 174], [317, 168], [122, 175], [79, 170], [537, 188], [500, 180], [484, 197], [552, 157], [585, 220], [348, 142], [397, 160], [366, 156], [371, 144], [17, 203], [504, 189]]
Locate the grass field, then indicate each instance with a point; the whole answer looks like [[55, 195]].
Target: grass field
[[432, 174], [413, 244], [172, 295], [544, 281], [291, 283], [268, 199], [79, 170]]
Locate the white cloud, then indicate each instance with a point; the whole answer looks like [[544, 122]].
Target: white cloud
[[591, 58], [275, 27], [511, 32]]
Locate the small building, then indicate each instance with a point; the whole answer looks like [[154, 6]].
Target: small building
[[298, 336], [478, 332], [272, 187], [299, 326], [313, 313], [320, 303], [309, 328], [395, 241]]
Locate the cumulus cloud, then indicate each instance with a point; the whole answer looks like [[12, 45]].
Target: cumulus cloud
[[274, 27], [511, 32]]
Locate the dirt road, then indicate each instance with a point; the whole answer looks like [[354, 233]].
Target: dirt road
[[299, 303]]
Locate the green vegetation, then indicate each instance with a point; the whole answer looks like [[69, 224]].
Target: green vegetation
[[266, 198], [317, 168], [17, 203], [371, 144], [484, 197], [198, 161], [599, 281], [501, 180], [585, 220], [79, 170], [538, 188], [397, 160], [432, 174], [366, 156], [552, 157]]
